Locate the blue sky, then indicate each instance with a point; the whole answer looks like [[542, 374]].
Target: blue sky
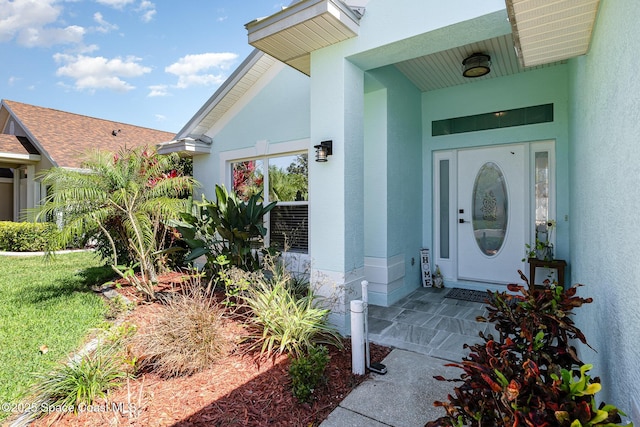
[[147, 63]]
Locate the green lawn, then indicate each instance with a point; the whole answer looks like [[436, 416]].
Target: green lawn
[[44, 303]]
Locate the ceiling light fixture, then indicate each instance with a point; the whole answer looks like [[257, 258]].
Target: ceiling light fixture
[[476, 65]]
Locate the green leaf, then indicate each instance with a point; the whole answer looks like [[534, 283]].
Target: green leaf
[[501, 378], [197, 253]]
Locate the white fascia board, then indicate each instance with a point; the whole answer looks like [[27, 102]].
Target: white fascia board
[[20, 158], [187, 146], [219, 94]]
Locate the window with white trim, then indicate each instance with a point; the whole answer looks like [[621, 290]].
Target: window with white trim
[[286, 178]]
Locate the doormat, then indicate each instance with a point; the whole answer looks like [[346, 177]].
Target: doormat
[[467, 295]]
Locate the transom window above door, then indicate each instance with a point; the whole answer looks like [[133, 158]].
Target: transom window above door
[[286, 177]]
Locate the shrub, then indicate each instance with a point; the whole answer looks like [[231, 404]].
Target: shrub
[[530, 375], [229, 226], [282, 322], [187, 336], [80, 382], [307, 372], [27, 236]]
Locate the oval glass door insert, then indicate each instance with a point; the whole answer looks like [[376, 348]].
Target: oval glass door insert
[[490, 209]]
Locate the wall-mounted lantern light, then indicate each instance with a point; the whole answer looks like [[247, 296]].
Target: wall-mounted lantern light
[[324, 149], [476, 65]]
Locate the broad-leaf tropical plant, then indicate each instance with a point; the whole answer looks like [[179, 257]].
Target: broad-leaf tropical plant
[[229, 226], [126, 196], [530, 374]]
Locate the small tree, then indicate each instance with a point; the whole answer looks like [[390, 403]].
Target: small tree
[[125, 196]]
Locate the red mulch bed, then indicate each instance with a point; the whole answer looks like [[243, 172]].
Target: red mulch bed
[[237, 391]]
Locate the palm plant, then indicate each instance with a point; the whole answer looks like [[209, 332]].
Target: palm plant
[[126, 197]]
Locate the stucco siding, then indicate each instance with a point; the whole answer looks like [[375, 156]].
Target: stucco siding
[[375, 177], [393, 184], [605, 198], [279, 113]]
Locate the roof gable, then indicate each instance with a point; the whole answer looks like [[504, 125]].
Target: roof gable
[[18, 149], [65, 137]]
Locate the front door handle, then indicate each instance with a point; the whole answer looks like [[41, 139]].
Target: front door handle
[[462, 221]]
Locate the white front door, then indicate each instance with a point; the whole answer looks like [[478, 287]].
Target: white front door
[[493, 203]]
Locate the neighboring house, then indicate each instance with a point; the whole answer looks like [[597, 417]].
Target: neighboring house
[[33, 139], [423, 157]]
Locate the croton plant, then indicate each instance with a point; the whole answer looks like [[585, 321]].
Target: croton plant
[[528, 375]]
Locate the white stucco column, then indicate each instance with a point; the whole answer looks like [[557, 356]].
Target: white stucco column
[[336, 229]]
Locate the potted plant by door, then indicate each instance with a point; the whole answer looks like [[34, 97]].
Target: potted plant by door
[[543, 248]]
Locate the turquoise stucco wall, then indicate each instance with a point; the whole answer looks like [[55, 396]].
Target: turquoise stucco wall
[[393, 148], [278, 113], [375, 178], [542, 86], [337, 187], [605, 199]]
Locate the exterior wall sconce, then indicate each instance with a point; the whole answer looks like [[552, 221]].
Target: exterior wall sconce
[[324, 149], [476, 65]]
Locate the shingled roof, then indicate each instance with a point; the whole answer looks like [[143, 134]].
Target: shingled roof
[[65, 138], [12, 144]]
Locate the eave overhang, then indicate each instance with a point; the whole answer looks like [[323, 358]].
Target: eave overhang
[[186, 147], [547, 31], [293, 33], [15, 160]]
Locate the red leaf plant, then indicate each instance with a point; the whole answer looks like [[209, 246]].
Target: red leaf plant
[[529, 375]]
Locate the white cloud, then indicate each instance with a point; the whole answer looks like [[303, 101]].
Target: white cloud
[[103, 25], [161, 117], [13, 80], [148, 10], [46, 37], [146, 7], [29, 22], [86, 48], [116, 4], [158, 90], [202, 70], [92, 73]]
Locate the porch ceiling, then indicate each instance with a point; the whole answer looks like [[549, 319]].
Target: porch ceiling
[[293, 33], [443, 69], [551, 30]]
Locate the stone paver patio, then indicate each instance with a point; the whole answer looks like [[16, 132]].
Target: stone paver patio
[[428, 323]]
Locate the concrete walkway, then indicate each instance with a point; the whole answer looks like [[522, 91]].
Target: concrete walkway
[[427, 331], [402, 398]]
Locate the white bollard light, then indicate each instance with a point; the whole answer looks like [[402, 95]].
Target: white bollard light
[[357, 337]]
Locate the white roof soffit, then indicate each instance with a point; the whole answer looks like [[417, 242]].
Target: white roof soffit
[[187, 147], [240, 81], [293, 33], [551, 30]]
